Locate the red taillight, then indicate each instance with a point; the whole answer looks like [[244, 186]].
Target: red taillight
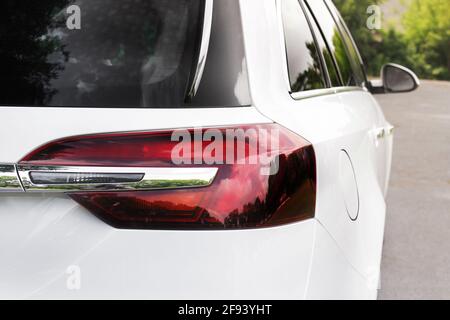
[[242, 195]]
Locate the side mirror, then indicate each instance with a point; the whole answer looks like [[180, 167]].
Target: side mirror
[[395, 79]]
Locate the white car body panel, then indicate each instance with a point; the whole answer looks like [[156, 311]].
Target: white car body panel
[[347, 121], [332, 276], [328, 257], [42, 238]]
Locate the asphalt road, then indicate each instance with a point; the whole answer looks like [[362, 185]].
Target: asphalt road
[[416, 257]]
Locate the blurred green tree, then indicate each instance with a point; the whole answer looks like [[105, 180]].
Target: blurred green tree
[[427, 36], [369, 42], [423, 45]]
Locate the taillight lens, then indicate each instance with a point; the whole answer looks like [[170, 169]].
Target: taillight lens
[[245, 193]]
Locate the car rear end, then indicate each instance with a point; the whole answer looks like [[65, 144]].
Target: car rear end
[[134, 163]]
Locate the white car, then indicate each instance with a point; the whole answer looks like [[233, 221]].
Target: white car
[[190, 149]]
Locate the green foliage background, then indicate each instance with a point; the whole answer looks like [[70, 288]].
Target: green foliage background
[[422, 44]]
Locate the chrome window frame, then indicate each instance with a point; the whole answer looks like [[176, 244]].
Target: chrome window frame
[[344, 31], [301, 95], [325, 92]]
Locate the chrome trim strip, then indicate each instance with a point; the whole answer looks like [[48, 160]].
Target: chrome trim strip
[[153, 178], [312, 94], [9, 182], [18, 178], [324, 92], [204, 45]]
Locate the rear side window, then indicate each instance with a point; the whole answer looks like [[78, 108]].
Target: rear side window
[[304, 65], [326, 54], [109, 53], [355, 58], [334, 41]]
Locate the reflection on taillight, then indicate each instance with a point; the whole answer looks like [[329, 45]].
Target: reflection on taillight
[[241, 195]]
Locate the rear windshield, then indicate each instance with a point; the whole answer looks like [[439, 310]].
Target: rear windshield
[[127, 53]]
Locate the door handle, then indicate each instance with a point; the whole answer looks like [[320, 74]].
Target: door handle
[[380, 133], [390, 130], [73, 179]]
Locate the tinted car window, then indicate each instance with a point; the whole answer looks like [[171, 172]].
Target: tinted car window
[[331, 67], [327, 56], [128, 53], [355, 58], [334, 40], [304, 64]]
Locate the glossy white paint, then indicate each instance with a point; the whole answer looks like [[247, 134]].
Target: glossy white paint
[[335, 122], [330, 256], [332, 276], [41, 237]]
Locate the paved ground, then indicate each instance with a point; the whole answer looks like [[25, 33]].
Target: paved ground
[[416, 258]]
